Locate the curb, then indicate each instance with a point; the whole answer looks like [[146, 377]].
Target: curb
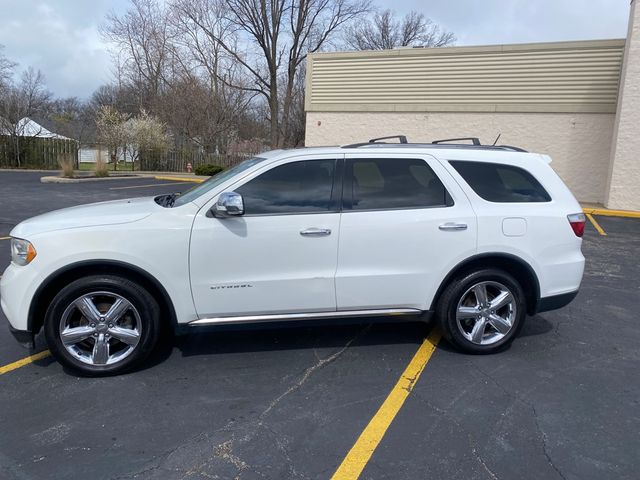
[[89, 179], [179, 179], [611, 213]]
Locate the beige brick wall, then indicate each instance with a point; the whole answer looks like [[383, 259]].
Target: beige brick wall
[[624, 177], [579, 143]]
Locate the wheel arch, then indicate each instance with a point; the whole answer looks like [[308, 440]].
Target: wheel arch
[[516, 266], [49, 288]]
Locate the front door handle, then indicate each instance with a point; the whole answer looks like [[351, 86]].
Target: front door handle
[[315, 232], [452, 227]]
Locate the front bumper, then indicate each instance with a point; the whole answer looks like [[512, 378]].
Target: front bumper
[[17, 287], [24, 337]]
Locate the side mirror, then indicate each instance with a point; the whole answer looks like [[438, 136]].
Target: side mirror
[[229, 204]]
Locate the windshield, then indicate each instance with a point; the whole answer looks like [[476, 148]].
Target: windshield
[[214, 181]]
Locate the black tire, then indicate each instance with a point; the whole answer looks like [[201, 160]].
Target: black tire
[[447, 306], [145, 314]]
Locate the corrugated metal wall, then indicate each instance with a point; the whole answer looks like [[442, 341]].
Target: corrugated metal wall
[[546, 77]]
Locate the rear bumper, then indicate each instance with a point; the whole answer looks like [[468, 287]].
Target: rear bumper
[[555, 302]]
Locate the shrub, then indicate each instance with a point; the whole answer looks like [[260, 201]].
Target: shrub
[[101, 169], [208, 169], [67, 164]]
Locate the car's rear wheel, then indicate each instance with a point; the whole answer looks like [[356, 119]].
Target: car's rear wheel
[[482, 311], [102, 325]]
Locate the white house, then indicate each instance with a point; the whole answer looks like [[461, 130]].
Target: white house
[[29, 128]]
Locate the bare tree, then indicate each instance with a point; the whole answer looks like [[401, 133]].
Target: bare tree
[[169, 67], [72, 118], [142, 37], [385, 31], [6, 70], [120, 97], [203, 99], [19, 102], [273, 38]]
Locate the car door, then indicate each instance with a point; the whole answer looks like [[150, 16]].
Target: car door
[[405, 224], [281, 255]]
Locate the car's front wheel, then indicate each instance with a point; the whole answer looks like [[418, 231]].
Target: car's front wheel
[[482, 311], [102, 325]]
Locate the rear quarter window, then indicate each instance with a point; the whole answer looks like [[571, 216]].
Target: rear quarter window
[[500, 183]]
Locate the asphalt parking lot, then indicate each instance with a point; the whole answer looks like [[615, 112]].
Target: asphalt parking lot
[[562, 403]]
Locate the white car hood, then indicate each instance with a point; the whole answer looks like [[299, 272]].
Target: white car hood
[[91, 215]]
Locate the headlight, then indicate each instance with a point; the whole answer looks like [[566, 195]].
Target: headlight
[[22, 252]]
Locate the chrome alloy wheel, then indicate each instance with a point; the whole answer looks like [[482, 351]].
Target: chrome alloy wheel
[[100, 328], [486, 313]]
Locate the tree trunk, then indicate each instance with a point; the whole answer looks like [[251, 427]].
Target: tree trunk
[[17, 144], [288, 101], [273, 111]]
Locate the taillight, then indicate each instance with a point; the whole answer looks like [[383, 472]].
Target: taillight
[[577, 221]]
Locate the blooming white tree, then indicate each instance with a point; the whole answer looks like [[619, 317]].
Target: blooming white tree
[[130, 136], [145, 133], [111, 131]]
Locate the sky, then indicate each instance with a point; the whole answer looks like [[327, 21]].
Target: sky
[[62, 39]]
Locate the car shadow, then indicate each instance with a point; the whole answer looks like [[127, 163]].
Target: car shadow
[[223, 340], [533, 326], [536, 325]]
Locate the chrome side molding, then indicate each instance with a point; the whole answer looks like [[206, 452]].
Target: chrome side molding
[[303, 316]]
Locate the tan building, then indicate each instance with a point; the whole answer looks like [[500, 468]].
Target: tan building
[[577, 101]]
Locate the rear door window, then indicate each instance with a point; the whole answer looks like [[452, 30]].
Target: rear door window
[[500, 183], [392, 183]]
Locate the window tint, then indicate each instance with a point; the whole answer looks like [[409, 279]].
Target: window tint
[[501, 183], [297, 187], [378, 184]]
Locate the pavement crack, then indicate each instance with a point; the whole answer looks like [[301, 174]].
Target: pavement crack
[[470, 438], [310, 370], [524, 401], [284, 449], [224, 451], [545, 447], [158, 461]]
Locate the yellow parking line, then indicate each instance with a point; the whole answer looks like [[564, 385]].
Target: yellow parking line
[[596, 225], [357, 458], [143, 186], [611, 213], [5, 238], [179, 179], [25, 361]]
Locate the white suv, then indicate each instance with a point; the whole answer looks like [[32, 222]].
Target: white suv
[[478, 236]]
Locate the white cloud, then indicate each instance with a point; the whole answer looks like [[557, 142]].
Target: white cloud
[[61, 39], [477, 22]]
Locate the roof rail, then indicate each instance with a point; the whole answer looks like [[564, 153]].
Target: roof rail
[[446, 143], [474, 140], [401, 139]]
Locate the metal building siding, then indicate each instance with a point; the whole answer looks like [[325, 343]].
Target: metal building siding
[[563, 77]]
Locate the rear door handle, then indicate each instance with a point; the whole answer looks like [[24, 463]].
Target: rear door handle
[[451, 227], [315, 232]]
